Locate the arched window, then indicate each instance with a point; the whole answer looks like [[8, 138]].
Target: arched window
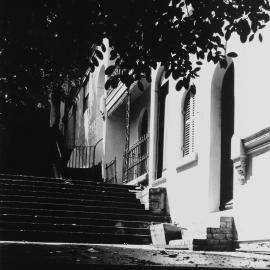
[[189, 122]]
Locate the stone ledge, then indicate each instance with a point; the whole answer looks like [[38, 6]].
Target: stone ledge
[[187, 161]]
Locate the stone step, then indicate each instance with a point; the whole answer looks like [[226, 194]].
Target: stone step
[[145, 216], [58, 194], [74, 220], [72, 207], [79, 211], [64, 227], [68, 201], [62, 181], [65, 185], [72, 237], [68, 190]]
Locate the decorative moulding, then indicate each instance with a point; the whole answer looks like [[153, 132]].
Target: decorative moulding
[[240, 164], [256, 144]]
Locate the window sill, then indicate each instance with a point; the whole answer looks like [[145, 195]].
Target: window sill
[[187, 162], [138, 180], [158, 182]]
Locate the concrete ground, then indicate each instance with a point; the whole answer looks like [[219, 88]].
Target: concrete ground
[[49, 254]]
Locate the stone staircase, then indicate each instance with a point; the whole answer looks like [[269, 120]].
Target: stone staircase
[[72, 211]]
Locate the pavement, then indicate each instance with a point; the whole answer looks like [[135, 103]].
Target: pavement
[[106, 256]]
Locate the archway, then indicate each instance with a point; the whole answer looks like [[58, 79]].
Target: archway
[[227, 130], [221, 131], [162, 94], [143, 145]]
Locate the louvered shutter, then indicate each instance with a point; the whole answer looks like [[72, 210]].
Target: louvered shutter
[[189, 122]]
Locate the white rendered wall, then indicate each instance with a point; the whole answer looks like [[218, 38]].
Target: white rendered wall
[[193, 182], [115, 140], [252, 201], [136, 112], [252, 110], [188, 186]]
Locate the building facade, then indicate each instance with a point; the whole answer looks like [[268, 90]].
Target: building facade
[[208, 147]]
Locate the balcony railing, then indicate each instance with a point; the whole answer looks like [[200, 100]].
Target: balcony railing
[[135, 161]]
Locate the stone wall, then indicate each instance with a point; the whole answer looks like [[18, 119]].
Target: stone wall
[[219, 239]]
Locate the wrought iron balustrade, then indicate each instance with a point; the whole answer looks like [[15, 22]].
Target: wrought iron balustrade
[[135, 160], [81, 157], [111, 172]]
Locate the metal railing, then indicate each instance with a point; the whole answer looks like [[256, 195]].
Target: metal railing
[[83, 156], [135, 160], [111, 172]]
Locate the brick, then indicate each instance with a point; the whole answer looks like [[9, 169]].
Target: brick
[[226, 219], [219, 236], [210, 242], [225, 248], [199, 247], [213, 248], [229, 236], [199, 241], [223, 224], [229, 225], [215, 230], [225, 230], [225, 242], [212, 230]]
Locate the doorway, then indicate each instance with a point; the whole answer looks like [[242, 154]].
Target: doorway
[[227, 131], [162, 94]]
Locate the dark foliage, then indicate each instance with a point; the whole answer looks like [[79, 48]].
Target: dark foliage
[[44, 43]]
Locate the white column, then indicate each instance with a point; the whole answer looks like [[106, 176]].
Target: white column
[[153, 127]]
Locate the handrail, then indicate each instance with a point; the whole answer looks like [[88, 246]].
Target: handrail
[[80, 157], [135, 160], [94, 151], [110, 169]]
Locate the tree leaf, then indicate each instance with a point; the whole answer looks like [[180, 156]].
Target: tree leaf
[[251, 38], [113, 54], [109, 70], [99, 54], [175, 74], [209, 56], [223, 63], [232, 54], [228, 35], [179, 85], [167, 73], [103, 47], [108, 84], [260, 37], [95, 61], [140, 86], [200, 54], [196, 69], [243, 37]]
